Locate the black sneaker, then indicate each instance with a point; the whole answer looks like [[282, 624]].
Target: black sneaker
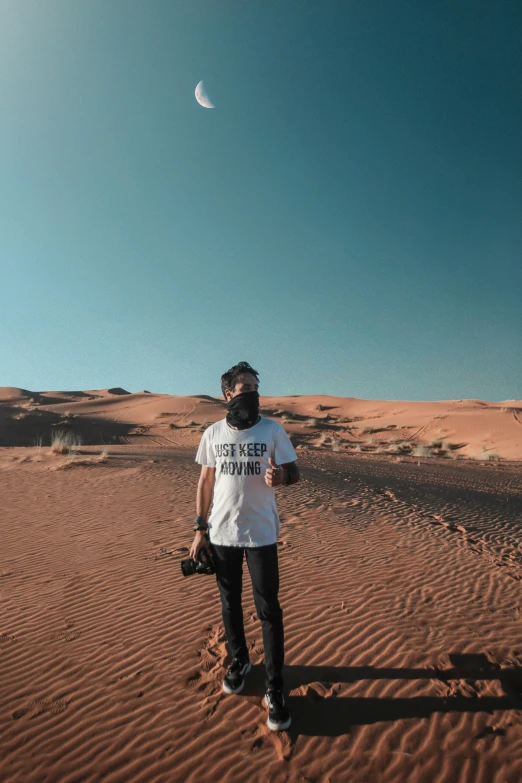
[[278, 715], [235, 677]]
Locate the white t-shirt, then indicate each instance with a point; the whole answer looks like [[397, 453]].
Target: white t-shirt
[[244, 511]]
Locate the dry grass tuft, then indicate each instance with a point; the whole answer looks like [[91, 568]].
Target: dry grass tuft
[[488, 456], [404, 446], [73, 462], [65, 443], [38, 442], [421, 451]]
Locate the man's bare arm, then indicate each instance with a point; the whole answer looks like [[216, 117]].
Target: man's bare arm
[[203, 501], [205, 491]]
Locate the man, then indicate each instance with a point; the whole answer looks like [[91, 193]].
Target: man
[[245, 456]]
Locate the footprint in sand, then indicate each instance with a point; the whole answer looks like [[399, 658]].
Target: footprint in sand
[[39, 706], [448, 525], [66, 636], [181, 550], [194, 679]]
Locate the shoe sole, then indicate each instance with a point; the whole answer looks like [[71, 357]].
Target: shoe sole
[[229, 690], [276, 726]]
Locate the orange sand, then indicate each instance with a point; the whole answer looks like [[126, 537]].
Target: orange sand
[[401, 590]]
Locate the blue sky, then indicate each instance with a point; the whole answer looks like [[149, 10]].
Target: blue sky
[[347, 219]]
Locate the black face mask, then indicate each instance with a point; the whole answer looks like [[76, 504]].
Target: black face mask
[[243, 410]]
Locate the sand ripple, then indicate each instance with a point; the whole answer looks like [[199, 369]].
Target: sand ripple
[[402, 598]]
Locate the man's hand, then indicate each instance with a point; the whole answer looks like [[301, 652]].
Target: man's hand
[[200, 542], [274, 474]]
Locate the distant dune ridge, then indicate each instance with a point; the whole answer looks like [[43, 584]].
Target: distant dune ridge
[[445, 429]]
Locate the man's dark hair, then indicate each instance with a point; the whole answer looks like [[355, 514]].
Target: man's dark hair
[[229, 378]]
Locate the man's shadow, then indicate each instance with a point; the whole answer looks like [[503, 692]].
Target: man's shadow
[[319, 712]]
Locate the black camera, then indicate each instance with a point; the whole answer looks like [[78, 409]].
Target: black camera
[[205, 564]]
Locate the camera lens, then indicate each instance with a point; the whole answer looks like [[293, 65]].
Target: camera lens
[[188, 567]]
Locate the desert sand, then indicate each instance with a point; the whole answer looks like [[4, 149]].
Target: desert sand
[[401, 572]]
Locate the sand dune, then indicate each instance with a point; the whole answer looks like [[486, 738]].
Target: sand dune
[[447, 429], [401, 591]]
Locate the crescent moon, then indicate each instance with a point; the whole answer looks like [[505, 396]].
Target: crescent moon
[[202, 97]]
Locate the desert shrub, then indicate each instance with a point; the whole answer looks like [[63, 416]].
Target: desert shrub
[[404, 445], [421, 451], [436, 443], [65, 443], [311, 423], [445, 445], [319, 408]]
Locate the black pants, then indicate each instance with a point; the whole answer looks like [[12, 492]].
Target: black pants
[[264, 573]]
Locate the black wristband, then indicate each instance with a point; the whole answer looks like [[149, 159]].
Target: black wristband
[[289, 478], [200, 524]]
